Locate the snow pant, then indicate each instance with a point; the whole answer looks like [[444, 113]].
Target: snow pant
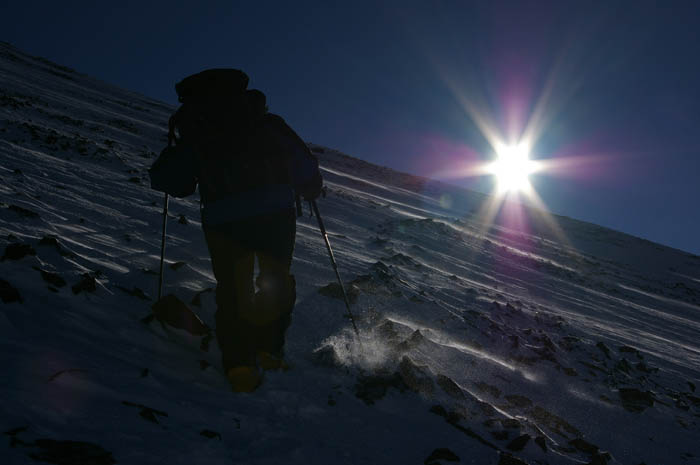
[[249, 322]]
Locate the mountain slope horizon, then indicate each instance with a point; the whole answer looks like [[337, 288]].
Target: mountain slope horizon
[[518, 337]]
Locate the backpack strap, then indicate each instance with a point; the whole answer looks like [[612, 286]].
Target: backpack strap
[[171, 129]]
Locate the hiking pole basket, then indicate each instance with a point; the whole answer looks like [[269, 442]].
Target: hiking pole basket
[[162, 247], [335, 265]]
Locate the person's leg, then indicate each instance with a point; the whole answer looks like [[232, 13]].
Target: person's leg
[[232, 264], [277, 288]]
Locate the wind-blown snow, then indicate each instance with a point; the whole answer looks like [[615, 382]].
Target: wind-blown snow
[[501, 345]]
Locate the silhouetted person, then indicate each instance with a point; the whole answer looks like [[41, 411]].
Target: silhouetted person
[[249, 165]]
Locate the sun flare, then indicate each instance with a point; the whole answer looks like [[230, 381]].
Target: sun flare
[[512, 167]]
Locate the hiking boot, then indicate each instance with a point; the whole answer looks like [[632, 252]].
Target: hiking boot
[[271, 362], [244, 378]]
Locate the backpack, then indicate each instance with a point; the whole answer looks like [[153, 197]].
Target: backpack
[[176, 170], [229, 143], [301, 165], [212, 83]]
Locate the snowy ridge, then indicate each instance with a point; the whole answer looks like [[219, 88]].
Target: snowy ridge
[[481, 343]]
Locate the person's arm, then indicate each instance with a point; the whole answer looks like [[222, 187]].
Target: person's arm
[[304, 171]]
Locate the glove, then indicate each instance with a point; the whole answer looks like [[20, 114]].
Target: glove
[[311, 189]]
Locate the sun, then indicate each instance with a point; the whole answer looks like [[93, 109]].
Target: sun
[[512, 167]]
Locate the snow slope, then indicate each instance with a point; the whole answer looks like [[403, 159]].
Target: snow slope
[[483, 342]]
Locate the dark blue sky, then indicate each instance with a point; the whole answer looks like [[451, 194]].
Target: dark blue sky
[[401, 84]]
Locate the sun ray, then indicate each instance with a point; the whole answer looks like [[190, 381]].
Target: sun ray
[[540, 210]]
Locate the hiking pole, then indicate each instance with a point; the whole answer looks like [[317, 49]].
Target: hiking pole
[[335, 265], [162, 247]]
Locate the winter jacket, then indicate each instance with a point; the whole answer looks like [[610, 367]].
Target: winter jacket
[[246, 167]]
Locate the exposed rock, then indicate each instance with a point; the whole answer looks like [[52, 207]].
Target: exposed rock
[[487, 388], [8, 293], [540, 441], [441, 454], [486, 409], [680, 403], [413, 341], [454, 418], [387, 332], [17, 251], [87, 283], [604, 349], [556, 423], [583, 446], [634, 400], [450, 387], [569, 343], [52, 278], [380, 281], [417, 378], [69, 452], [519, 443], [645, 368], [182, 220], [206, 340], [23, 212], [177, 265], [623, 366], [210, 434], [326, 356], [52, 241], [518, 401], [381, 271], [401, 259], [630, 350], [438, 410], [62, 372], [177, 314], [374, 387], [146, 413], [16, 431], [511, 423], [507, 459], [514, 341], [512, 310], [548, 343], [600, 458], [135, 292], [335, 291]]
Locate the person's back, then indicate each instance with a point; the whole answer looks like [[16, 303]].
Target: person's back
[[249, 165]]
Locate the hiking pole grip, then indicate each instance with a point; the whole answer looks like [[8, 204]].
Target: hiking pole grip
[[162, 247], [297, 200], [322, 227]]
